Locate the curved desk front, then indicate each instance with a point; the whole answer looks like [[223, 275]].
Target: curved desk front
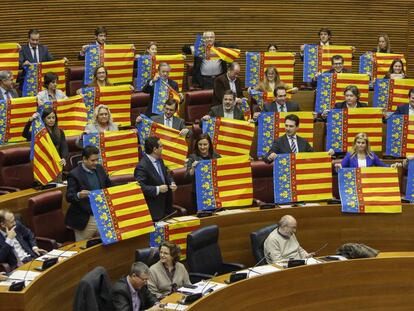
[[317, 225]]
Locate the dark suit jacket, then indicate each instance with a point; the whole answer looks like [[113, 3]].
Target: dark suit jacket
[[403, 109], [290, 106], [342, 105], [145, 173], [26, 239], [13, 94], [222, 84], [282, 145], [25, 54], [218, 111], [177, 123], [150, 89], [79, 210], [122, 300]]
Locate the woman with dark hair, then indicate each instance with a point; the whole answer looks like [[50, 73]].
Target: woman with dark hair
[[272, 47], [203, 150], [49, 118], [168, 273], [151, 48], [51, 93], [396, 70], [100, 77]]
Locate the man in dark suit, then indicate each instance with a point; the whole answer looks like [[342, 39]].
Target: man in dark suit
[[130, 293], [352, 95], [163, 73], [6, 86], [17, 243], [281, 104], [337, 62], [33, 52], [227, 109], [228, 81], [87, 176], [100, 39], [290, 142], [205, 70], [407, 109], [156, 184]]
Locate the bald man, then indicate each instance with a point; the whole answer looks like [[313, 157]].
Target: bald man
[[281, 244]]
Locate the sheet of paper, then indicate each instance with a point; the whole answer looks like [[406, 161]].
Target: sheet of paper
[[20, 275], [175, 306], [312, 261], [232, 211], [56, 253], [185, 218], [202, 286], [259, 270]]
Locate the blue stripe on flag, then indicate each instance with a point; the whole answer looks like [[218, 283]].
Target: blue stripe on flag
[[265, 133], [91, 62], [395, 129], [144, 65], [323, 92], [282, 187], [381, 93], [409, 192], [348, 190], [252, 69], [160, 96], [334, 130], [310, 62], [204, 186], [3, 122]]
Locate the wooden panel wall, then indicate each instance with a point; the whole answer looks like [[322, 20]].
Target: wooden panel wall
[[67, 25]]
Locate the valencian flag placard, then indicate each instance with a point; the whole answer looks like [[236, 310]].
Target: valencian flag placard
[[72, 115], [272, 126], [147, 67], [43, 153], [261, 97], [174, 146], [390, 93], [302, 177], [33, 79], [344, 124], [118, 150], [317, 58], [116, 98], [258, 62], [378, 64], [409, 192], [331, 86], [162, 92], [118, 59], [214, 53], [14, 114], [369, 190], [400, 136], [174, 231], [120, 212], [230, 137], [224, 182], [9, 57], [245, 109]]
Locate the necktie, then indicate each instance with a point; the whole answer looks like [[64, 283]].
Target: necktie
[[35, 56], [293, 144], [283, 108], [8, 96], [168, 122], [160, 171]]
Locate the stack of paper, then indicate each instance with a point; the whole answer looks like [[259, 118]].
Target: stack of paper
[[20, 275]]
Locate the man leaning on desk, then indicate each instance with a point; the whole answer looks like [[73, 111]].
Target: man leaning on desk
[[281, 244]]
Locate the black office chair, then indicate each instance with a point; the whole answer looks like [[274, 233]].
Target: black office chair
[[94, 292], [204, 256], [149, 255], [257, 239]]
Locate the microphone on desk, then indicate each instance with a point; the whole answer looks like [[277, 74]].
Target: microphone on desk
[[47, 263], [18, 286], [193, 297], [168, 216], [257, 264], [208, 282]]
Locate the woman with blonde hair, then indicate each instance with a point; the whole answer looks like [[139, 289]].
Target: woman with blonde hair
[[361, 155], [384, 45], [272, 80]]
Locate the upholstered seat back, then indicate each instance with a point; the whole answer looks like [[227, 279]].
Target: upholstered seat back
[[262, 174], [16, 168], [257, 239], [149, 255], [197, 104], [139, 102]]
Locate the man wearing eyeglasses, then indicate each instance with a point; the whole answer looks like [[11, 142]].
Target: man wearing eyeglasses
[[130, 293]]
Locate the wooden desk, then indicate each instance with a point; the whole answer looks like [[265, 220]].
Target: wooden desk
[[317, 225], [363, 284]]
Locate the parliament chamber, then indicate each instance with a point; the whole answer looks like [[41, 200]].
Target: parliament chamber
[[383, 283]]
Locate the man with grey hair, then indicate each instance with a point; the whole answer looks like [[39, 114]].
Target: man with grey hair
[[162, 73], [130, 293], [6, 85], [281, 244]]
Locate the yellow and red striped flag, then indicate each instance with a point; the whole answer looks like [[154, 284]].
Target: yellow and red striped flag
[[175, 232], [390, 93], [117, 98], [378, 64], [344, 124], [175, 147], [331, 86], [317, 58], [118, 150], [272, 126], [72, 115], [258, 62], [302, 177], [14, 114], [369, 190], [224, 182], [9, 57], [33, 80], [121, 212], [46, 166], [228, 55], [230, 137], [117, 58], [147, 67]]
